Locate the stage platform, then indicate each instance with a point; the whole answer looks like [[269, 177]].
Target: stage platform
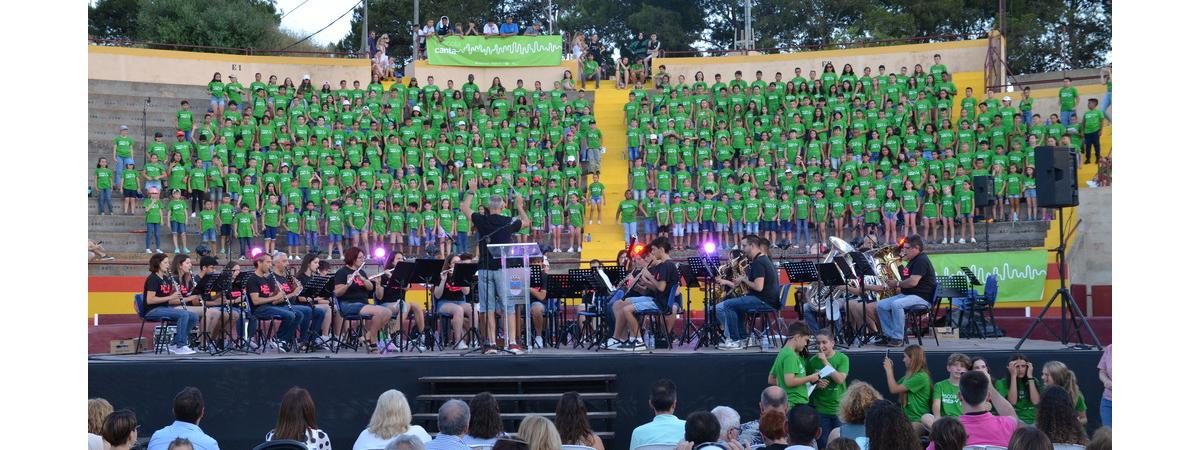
[[242, 392]]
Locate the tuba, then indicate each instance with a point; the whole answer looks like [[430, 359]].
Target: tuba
[[886, 261], [818, 294], [732, 270]]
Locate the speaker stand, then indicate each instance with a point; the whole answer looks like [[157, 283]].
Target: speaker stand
[[1066, 303]]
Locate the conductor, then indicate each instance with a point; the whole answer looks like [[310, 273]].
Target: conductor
[[494, 228]]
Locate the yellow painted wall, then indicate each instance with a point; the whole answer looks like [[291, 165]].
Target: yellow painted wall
[[196, 68], [483, 75]]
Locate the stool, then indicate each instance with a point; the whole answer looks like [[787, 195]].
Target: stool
[[913, 316]]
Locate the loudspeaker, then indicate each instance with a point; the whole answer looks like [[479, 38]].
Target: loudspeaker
[[985, 190], [1055, 177]]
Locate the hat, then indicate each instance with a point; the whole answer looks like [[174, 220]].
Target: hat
[[570, 159], [677, 195], [305, 77], [178, 133], [1007, 98], [537, 179], [789, 170], [124, 127], [345, 102], [653, 136], [157, 134]]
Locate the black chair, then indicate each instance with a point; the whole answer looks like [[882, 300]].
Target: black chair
[[352, 329], [919, 320], [160, 336], [656, 320], [974, 307], [764, 322], [282, 444]]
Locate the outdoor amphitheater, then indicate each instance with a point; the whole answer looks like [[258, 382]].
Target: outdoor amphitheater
[[688, 250]]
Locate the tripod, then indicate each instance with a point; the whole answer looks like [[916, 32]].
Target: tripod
[[1066, 302]]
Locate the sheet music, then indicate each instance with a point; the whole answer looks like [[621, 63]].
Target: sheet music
[[824, 372], [607, 283]]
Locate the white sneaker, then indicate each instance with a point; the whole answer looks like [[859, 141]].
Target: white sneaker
[[180, 350], [730, 345], [462, 345], [193, 215], [589, 222], [612, 344], [943, 240], [639, 344], [537, 342], [972, 240], [556, 250], [962, 241], [148, 251], [157, 250]]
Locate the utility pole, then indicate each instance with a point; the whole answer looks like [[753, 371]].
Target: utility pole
[[748, 34], [366, 48], [1000, 19]]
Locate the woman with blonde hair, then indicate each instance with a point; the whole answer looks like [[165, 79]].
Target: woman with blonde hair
[[392, 417], [852, 410], [1055, 373], [539, 433], [98, 410]]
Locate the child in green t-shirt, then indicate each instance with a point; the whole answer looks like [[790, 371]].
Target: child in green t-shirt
[[154, 212], [270, 221], [1021, 388], [946, 401], [830, 388], [208, 222], [596, 199], [295, 226], [244, 224], [788, 371], [575, 212], [555, 214], [177, 210], [104, 186], [129, 188], [914, 387]]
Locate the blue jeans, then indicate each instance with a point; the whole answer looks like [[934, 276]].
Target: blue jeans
[[1065, 117], [120, 166], [803, 224], [310, 239], [307, 318], [630, 230], [184, 320], [244, 245], [287, 319], [1104, 105], [730, 312], [1106, 412], [1027, 118], [891, 313], [460, 242], [105, 201], [152, 232], [828, 423]]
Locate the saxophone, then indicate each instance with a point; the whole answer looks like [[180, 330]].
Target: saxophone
[[887, 264], [732, 270]]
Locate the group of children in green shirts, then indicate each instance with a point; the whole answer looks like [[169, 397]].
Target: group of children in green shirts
[[821, 380], [832, 154], [364, 167]]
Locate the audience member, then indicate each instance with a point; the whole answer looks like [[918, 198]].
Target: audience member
[[119, 430], [773, 428], [665, 428], [189, 409], [392, 417], [947, 433], [730, 421], [1101, 439], [486, 425], [702, 430], [298, 421], [510, 443], [490, 28], [508, 28], [852, 410], [453, 419], [887, 428], [98, 410], [914, 387], [843, 444], [181, 444], [804, 426], [1055, 373], [1029, 438], [534, 30], [405, 442], [1105, 367], [1056, 417], [571, 420], [1021, 388], [773, 398], [945, 392], [982, 427], [539, 433]]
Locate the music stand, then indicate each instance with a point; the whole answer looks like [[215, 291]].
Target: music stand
[[802, 272], [970, 276], [204, 288], [614, 273], [831, 277], [237, 294], [863, 269], [464, 274], [691, 280], [600, 283], [950, 288]]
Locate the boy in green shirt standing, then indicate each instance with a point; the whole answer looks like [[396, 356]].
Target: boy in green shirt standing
[[946, 401], [225, 214], [788, 371], [1067, 96], [596, 194], [178, 213], [1093, 125], [154, 212], [208, 222], [626, 214], [244, 224]]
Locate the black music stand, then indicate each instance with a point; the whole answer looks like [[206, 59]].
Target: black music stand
[[464, 275], [580, 280], [600, 291], [970, 276], [428, 272], [800, 272], [705, 268], [614, 273], [831, 277], [862, 269], [204, 288], [949, 288], [235, 295], [690, 281]]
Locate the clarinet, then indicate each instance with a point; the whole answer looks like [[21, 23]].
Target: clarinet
[[287, 301], [178, 290]]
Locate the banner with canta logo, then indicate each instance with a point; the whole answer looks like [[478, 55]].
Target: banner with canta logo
[[480, 51], [1020, 275]]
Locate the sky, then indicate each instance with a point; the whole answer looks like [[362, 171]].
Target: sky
[[305, 18]]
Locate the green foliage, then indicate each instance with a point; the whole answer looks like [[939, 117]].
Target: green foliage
[[112, 19], [220, 23]]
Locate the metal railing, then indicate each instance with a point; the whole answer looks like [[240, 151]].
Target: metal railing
[[829, 46], [214, 49]]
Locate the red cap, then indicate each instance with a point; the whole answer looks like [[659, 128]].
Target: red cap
[[179, 133]]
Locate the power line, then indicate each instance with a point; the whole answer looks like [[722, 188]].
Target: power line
[[324, 27], [294, 9]]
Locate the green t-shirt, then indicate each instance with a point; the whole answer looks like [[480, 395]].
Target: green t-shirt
[[270, 215], [947, 393], [244, 225], [1067, 97], [153, 211], [208, 219], [787, 361], [917, 397], [1092, 121], [825, 400], [178, 210], [628, 211], [124, 146], [1026, 410], [596, 189], [104, 178]]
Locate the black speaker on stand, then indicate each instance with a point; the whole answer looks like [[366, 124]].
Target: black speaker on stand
[[1055, 178], [984, 187]]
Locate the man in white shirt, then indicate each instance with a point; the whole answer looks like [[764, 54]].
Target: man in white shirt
[[665, 428], [490, 28]]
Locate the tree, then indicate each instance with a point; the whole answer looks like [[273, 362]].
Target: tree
[[113, 19], [219, 23]]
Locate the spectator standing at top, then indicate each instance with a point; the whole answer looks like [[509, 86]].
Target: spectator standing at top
[[637, 48], [443, 27], [509, 28], [490, 28], [1067, 96], [534, 30], [371, 43], [653, 46]]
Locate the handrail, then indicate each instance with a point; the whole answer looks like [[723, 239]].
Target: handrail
[[189, 47], [809, 47]]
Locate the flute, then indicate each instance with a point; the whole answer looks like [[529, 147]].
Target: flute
[[380, 274]]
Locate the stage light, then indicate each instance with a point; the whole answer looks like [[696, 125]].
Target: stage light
[[710, 247], [638, 249], [254, 252], [380, 252]]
